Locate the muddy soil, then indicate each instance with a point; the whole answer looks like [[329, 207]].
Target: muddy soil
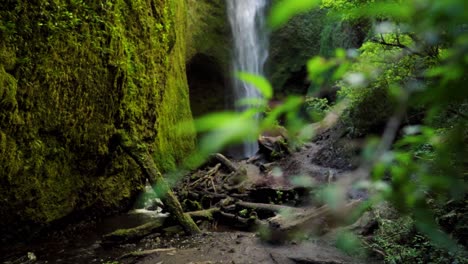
[[242, 247]]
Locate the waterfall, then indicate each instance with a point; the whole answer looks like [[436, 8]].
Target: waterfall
[[247, 20]]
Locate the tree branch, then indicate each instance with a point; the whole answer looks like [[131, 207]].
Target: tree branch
[[396, 45]]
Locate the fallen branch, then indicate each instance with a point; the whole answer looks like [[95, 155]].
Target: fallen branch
[[375, 250], [204, 214], [207, 176], [225, 161], [308, 260], [132, 234], [275, 208], [145, 253], [312, 220], [147, 165], [241, 222]]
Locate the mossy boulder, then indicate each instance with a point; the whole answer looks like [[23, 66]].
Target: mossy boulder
[[71, 74]]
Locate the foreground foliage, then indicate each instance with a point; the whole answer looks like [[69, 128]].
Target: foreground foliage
[[406, 83]]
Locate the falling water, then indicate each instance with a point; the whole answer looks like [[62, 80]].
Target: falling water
[[247, 19]]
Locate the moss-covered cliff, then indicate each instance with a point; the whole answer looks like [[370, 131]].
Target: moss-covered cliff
[[72, 72], [291, 47], [208, 55], [304, 36], [208, 30]]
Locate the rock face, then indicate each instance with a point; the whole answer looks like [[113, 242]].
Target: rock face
[[208, 55], [303, 37], [71, 74], [291, 46]]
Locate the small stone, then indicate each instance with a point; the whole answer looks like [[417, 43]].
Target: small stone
[[32, 256], [231, 250]]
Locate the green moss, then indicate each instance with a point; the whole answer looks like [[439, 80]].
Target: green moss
[[303, 37], [71, 74], [190, 205], [208, 31], [337, 33], [132, 234], [398, 237], [291, 47]]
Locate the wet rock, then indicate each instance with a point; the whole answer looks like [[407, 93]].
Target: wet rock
[[273, 148]]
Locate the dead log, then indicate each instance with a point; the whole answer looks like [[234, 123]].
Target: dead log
[[204, 214], [132, 234], [241, 222], [275, 208], [144, 253], [147, 165], [311, 220], [225, 161]]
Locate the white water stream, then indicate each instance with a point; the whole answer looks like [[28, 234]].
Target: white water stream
[[247, 20]]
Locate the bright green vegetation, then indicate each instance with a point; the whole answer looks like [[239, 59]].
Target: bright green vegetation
[[71, 74]]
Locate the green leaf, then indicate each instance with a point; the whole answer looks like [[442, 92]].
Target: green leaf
[[214, 121], [292, 103], [286, 9], [252, 102], [259, 82]]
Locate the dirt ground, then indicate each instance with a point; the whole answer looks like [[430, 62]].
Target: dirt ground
[[230, 246], [242, 247]]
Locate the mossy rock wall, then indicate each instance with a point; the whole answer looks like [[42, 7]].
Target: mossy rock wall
[[71, 74], [209, 49], [303, 37], [208, 31], [290, 48]]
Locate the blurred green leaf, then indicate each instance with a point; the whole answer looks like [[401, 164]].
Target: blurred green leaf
[[259, 103], [349, 243], [292, 103], [286, 9], [214, 121], [258, 82]]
